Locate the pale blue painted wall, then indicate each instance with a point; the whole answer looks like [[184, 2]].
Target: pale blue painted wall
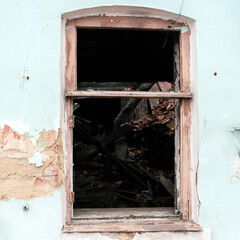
[[30, 46], [41, 221]]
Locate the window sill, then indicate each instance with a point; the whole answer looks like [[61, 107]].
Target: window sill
[[132, 226], [129, 220]]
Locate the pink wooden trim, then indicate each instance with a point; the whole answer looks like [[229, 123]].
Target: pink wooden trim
[[71, 57], [68, 175], [133, 226], [185, 122], [71, 85], [124, 22]]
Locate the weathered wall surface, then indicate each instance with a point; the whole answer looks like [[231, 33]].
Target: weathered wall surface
[[20, 176], [31, 155]]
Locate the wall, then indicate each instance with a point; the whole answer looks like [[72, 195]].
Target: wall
[[31, 154]]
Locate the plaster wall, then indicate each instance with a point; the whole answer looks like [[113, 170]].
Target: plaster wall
[[31, 154]]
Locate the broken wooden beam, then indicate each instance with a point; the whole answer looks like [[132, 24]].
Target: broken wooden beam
[[130, 106], [90, 150], [103, 149]]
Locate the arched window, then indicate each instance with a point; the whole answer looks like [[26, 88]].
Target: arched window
[[127, 82]]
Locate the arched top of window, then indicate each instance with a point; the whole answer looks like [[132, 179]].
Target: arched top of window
[[127, 11]]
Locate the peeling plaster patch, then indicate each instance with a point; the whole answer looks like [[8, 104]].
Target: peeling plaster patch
[[21, 180], [17, 125], [35, 136], [86, 236], [36, 159], [152, 236], [14, 145], [21, 128], [120, 236], [46, 138]]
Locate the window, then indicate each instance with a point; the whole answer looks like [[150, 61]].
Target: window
[[128, 148]]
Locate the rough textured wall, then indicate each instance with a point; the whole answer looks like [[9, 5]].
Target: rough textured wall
[[20, 178]]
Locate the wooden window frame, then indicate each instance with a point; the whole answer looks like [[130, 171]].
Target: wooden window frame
[[164, 222]]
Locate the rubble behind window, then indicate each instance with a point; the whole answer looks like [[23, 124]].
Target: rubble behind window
[[123, 160], [123, 150]]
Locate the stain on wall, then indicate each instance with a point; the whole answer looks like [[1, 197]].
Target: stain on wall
[[20, 179]]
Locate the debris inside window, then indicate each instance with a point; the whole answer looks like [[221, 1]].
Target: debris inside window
[[123, 149], [123, 160]]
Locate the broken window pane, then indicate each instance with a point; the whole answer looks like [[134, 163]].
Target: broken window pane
[[123, 152]]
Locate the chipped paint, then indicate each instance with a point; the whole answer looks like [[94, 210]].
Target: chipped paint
[[29, 171], [46, 138], [14, 145], [17, 125], [183, 29], [120, 236], [36, 159], [27, 135]]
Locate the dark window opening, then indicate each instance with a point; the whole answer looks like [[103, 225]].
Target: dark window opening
[[125, 56], [123, 149]]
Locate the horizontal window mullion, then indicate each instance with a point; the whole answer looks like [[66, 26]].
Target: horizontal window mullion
[[128, 94]]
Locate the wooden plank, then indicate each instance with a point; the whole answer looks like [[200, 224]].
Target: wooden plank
[[119, 213], [128, 94], [186, 160], [151, 225], [130, 106], [71, 56], [177, 153], [68, 175], [125, 22], [70, 84], [185, 122]]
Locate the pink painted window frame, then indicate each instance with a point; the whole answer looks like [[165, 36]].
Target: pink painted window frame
[[186, 223]]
